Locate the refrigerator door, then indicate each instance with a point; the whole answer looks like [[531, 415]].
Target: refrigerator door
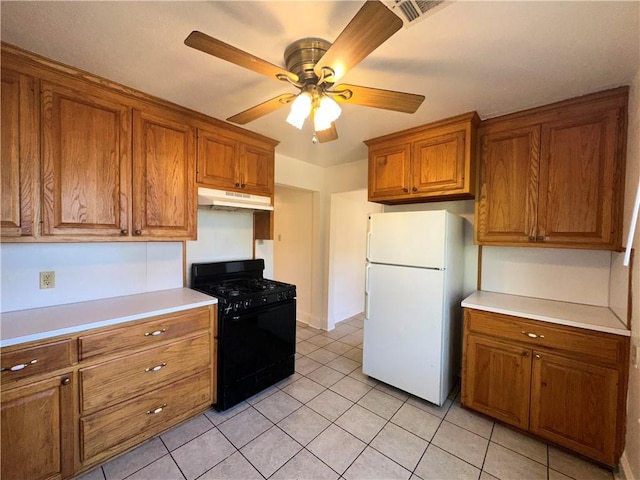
[[408, 238], [403, 329]]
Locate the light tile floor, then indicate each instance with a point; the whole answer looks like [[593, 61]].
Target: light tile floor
[[330, 421]]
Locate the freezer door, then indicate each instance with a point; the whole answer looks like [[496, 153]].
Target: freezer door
[[403, 329], [407, 238]]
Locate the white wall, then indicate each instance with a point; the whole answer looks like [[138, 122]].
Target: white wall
[[631, 457], [86, 271], [347, 254], [293, 244], [222, 235]]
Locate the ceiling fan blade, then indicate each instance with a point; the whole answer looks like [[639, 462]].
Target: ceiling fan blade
[[327, 135], [371, 27], [217, 48], [263, 109], [378, 98]]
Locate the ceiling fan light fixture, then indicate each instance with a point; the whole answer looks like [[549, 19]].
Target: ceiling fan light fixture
[[326, 113], [300, 109]]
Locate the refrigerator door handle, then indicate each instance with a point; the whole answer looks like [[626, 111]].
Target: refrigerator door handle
[[369, 245], [366, 292]]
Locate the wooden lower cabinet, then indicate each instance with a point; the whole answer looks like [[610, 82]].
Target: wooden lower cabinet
[[69, 404], [37, 429], [496, 364], [565, 385], [574, 403]]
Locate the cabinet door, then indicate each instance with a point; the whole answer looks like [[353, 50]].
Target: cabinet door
[[389, 171], [164, 193], [37, 430], [496, 380], [578, 180], [438, 165], [507, 207], [85, 163], [573, 403], [19, 155], [218, 160], [257, 170]]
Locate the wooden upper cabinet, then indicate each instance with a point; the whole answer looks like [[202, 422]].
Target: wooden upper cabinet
[[86, 142], [509, 162], [229, 161], [218, 160], [429, 163], [257, 167], [554, 176], [389, 171], [19, 155], [164, 194]]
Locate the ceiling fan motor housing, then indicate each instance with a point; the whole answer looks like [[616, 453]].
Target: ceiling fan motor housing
[[301, 56]]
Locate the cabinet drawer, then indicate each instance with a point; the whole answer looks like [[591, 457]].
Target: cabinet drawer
[[596, 346], [140, 335], [121, 426], [31, 361], [125, 377]]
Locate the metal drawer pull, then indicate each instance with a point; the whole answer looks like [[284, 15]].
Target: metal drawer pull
[[157, 410], [532, 335], [156, 333], [156, 368], [18, 367]]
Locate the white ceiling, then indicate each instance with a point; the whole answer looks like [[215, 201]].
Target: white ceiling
[[492, 57]]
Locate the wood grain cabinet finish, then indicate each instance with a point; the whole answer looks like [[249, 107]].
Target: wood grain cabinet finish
[[164, 192], [98, 393], [229, 161], [429, 163], [566, 385], [37, 429], [86, 163], [86, 159], [554, 176], [19, 155]]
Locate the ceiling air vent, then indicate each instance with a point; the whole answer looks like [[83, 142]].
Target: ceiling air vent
[[411, 11]]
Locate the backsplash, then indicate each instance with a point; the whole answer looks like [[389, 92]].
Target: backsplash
[[86, 271]]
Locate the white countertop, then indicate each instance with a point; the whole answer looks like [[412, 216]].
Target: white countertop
[[591, 317], [39, 323]]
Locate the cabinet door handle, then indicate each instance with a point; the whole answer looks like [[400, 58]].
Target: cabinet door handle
[[237, 184], [66, 381], [537, 356], [532, 335], [242, 185], [155, 333], [156, 368], [157, 410], [541, 238], [414, 189], [124, 231], [138, 232], [532, 238], [405, 190], [525, 354], [19, 367]]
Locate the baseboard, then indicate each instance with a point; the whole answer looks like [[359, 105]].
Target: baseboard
[[624, 472]]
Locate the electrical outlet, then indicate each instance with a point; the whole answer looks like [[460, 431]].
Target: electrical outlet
[[47, 279]]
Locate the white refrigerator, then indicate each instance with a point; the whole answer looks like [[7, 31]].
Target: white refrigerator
[[413, 290]]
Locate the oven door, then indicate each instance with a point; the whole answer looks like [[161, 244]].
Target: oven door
[[253, 348]]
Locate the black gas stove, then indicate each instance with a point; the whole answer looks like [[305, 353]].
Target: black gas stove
[[256, 326], [244, 294]]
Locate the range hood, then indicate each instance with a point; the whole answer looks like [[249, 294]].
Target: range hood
[[220, 199]]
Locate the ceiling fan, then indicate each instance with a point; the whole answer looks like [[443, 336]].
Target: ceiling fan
[[314, 65]]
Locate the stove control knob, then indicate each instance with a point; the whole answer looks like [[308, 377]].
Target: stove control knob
[[247, 303], [279, 296], [265, 299]]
